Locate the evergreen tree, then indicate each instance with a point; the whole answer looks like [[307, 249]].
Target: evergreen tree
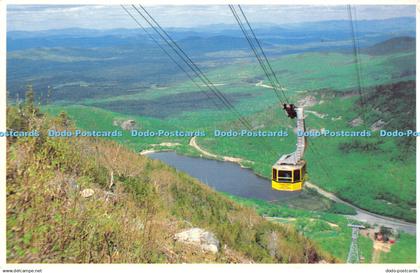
[[29, 100], [29, 105], [64, 119]]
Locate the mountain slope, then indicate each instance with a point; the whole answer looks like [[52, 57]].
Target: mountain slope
[[80, 200], [394, 45]]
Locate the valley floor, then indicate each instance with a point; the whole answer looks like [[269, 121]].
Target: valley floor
[[362, 215]]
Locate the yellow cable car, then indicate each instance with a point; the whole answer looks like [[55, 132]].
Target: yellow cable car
[[289, 171], [288, 177]]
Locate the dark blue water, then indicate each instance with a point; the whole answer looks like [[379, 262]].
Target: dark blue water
[[231, 178], [224, 176]]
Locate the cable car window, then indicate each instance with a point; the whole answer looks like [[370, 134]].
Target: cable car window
[[285, 176], [274, 174], [296, 174]]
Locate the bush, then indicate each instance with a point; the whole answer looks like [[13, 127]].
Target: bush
[[340, 208]]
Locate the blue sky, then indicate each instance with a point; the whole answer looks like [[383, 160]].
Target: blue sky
[[42, 17]]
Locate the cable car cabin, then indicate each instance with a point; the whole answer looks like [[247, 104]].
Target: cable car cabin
[[289, 171], [288, 177]]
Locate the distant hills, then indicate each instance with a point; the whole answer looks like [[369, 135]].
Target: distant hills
[[88, 62], [393, 45], [214, 43], [398, 24], [368, 32]]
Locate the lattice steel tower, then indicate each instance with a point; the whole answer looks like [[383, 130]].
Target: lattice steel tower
[[354, 257]]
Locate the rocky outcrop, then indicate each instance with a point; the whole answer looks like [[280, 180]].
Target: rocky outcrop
[[378, 125], [206, 240], [129, 124], [86, 193], [307, 101], [356, 122]]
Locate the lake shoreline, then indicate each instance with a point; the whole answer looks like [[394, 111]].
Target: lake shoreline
[[362, 214]]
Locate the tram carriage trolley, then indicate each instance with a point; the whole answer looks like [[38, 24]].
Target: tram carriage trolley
[[288, 173], [288, 177]]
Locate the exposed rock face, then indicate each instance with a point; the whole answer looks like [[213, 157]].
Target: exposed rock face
[[272, 244], [196, 236], [307, 101], [378, 125], [356, 122], [129, 124], [86, 193]]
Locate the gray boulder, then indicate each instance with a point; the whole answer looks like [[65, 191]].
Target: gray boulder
[[196, 236], [128, 124]]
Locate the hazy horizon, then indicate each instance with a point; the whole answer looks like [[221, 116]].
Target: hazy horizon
[[107, 17]]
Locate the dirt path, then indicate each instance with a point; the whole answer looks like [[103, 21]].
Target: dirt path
[[260, 84], [378, 248], [366, 216], [163, 144], [194, 144], [375, 256], [319, 115], [362, 215]]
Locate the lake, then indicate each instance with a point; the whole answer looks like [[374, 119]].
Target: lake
[[224, 176], [231, 178]]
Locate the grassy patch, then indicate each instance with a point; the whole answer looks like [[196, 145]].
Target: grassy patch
[[404, 251], [330, 231]]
